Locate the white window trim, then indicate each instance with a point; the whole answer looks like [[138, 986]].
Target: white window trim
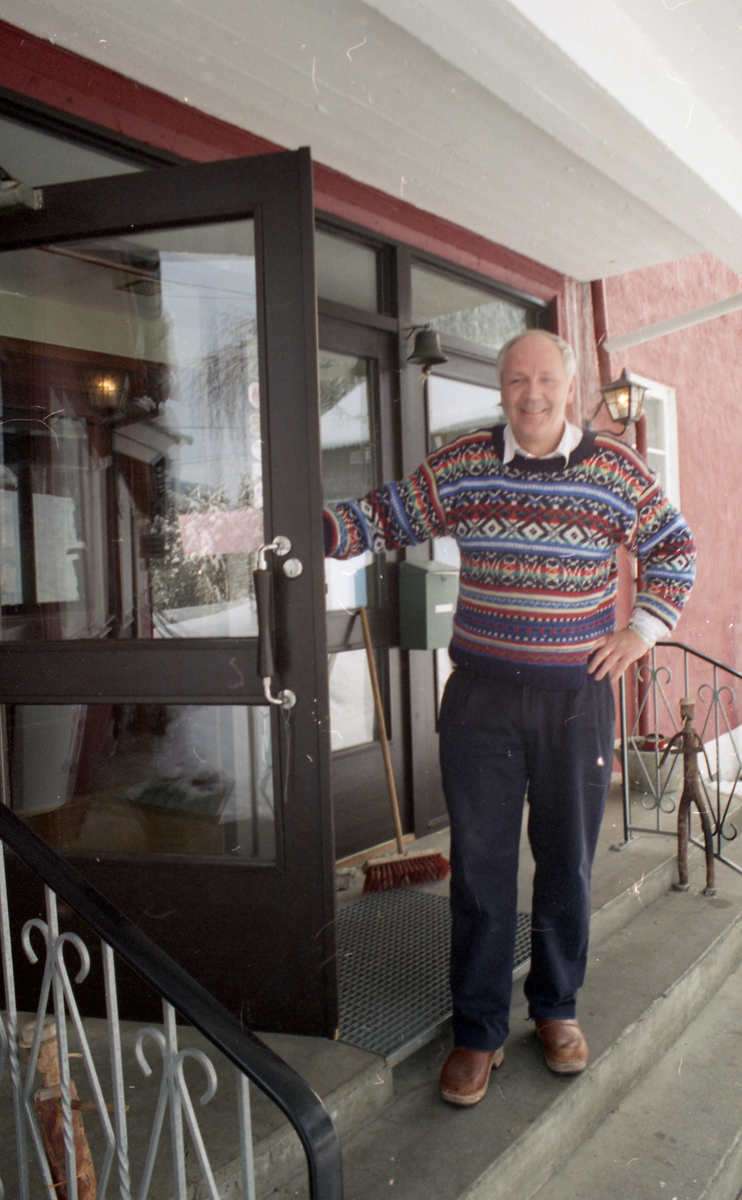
[[666, 395]]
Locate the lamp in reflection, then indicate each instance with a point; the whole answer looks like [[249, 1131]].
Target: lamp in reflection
[[107, 390], [623, 399], [427, 349]]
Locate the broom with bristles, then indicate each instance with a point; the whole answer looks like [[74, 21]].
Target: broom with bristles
[[402, 869]]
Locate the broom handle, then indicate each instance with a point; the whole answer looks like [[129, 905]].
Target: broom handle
[[382, 732]]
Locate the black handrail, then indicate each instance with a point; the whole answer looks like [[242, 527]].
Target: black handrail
[[277, 1079], [699, 654]]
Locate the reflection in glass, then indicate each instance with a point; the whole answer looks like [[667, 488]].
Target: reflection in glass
[[352, 714], [464, 311], [349, 470], [145, 778], [456, 408], [348, 462], [40, 159], [131, 452], [346, 271]]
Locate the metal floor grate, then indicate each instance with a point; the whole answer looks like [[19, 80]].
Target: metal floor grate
[[393, 950]]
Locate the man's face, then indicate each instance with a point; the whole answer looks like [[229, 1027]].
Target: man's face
[[535, 392]]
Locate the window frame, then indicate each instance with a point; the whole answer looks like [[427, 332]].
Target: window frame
[[667, 397]]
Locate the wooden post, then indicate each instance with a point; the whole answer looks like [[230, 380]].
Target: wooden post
[[48, 1104]]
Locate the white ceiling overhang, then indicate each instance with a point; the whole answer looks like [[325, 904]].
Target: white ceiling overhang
[[595, 136]]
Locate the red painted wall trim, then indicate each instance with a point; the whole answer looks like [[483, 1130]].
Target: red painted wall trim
[[84, 89], [396, 219], [51, 75]]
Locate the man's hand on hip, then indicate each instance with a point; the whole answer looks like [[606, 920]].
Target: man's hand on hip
[[615, 653]]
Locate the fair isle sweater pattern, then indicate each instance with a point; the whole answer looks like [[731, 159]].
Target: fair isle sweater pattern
[[538, 543]]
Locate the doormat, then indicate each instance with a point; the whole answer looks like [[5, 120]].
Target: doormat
[[393, 950]]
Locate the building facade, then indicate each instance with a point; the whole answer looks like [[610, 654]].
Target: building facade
[[193, 358]]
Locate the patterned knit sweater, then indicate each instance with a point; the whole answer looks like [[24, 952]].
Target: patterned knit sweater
[[538, 543]]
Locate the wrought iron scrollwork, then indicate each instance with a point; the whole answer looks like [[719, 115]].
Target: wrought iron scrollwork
[[174, 1098], [712, 683], [243, 1053]]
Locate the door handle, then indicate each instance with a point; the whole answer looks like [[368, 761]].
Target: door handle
[[263, 580]]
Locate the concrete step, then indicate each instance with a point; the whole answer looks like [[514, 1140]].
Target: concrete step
[[356, 1086], [655, 959], [678, 1134], [353, 1084], [645, 982]]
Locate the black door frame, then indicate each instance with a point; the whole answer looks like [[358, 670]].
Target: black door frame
[[279, 918], [360, 801]]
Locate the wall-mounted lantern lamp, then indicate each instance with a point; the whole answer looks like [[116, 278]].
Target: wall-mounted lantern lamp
[[427, 349], [623, 399], [107, 390]]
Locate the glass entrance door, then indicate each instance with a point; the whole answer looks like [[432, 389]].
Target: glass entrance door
[[132, 509], [159, 426]]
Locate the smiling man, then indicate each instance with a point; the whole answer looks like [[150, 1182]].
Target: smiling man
[[538, 507], [536, 384]]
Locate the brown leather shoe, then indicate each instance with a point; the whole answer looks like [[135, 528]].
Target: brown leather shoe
[[466, 1074], [564, 1046]]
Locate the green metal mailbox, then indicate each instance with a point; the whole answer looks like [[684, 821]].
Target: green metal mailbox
[[427, 602]]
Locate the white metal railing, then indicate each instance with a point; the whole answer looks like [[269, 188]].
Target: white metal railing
[[712, 684], [54, 1145]]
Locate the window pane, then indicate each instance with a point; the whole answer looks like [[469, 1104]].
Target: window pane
[[145, 778], [39, 159], [349, 468], [655, 414], [131, 450], [463, 310], [443, 669], [352, 714], [347, 272], [456, 408], [658, 463], [348, 461]]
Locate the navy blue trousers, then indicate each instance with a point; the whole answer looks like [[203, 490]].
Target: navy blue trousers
[[497, 742]]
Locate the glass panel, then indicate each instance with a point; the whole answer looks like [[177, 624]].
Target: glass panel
[[443, 668], [347, 272], [352, 714], [132, 453], [456, 408], [349, 469], [348, 461], [39, 159], [463, 310], [657, 460], [145, 778], [654, 410]]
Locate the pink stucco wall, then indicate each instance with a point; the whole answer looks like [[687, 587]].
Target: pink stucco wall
[[704, 365]]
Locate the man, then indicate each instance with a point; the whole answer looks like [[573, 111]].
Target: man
[[538, 507]]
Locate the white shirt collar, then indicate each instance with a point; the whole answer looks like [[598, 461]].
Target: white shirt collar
[[571, 439]]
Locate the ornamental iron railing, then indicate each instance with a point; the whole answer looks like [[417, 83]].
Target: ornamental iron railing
[[653, 785], [53, 1152]]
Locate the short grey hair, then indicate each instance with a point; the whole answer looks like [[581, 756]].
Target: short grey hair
[[564, 348]]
